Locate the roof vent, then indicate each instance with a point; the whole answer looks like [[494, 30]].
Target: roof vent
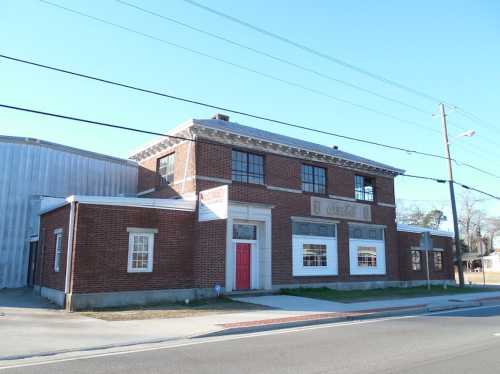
[[221, 117]]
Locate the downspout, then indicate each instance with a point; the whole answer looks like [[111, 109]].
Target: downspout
[[69, 253]]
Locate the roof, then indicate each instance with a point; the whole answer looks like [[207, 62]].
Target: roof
[[420, 230], [64, 148], [140, 202], [271, 137]]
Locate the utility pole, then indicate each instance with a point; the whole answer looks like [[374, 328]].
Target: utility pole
[[452, 197]]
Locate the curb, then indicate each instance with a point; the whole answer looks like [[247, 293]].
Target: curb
[[356, 316]]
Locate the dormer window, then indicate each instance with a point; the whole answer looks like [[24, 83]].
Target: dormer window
[[166, 166]]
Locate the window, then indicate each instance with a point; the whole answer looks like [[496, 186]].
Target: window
[[367, 257], [140, 251], [166, 168], [313, 179], [246, 232], [247, 167], [314, 248], [313, 229], [363, 188], [438, 261], [415, 257], [314, 255], [366, 232], [58, 250]]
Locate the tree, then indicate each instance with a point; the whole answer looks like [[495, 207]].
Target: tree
[[433, 219], [472, 222], [416, 216]]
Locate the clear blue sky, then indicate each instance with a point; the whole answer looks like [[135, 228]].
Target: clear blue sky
[[449, 49]]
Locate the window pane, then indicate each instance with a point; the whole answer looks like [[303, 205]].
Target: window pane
[[314, 255], [415, 260], [438, 261], [313, 229], [363, 188], [367, 256], [166, 167], [313, 179], [366, 232], [247, 167], [247, 232], [140, 252]]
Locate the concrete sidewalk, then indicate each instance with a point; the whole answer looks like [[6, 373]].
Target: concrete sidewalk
[[31, 327]]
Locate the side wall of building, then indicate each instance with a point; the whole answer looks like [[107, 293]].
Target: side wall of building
[[102, 246], [409, 240]]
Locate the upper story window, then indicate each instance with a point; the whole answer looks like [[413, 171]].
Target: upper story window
[[364, 188], [313, 179], [247, 167], [166, 168]]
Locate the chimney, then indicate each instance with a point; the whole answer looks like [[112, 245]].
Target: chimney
[[221, 117]]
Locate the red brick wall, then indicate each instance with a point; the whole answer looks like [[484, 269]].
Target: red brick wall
[[149, 178], [282, 171], [101, 249], [408, 240], [46, 276]]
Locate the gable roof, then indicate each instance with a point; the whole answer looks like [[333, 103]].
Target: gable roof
[[237, 129]]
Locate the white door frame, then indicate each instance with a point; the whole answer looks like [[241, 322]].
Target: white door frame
[[260, 272]]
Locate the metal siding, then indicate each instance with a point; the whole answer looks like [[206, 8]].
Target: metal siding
[[28, 170]]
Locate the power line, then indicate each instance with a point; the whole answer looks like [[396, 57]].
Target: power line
[[207, 105], [273, 57], [316, 52], [243, 67], [136, 130], [229, 110]]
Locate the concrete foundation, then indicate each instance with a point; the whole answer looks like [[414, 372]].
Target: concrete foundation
[[56, 296], [117, 299]]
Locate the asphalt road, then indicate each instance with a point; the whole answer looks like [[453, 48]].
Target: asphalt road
[[463, 341]]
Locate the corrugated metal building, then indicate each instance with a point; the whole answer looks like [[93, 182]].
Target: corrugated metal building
[[31, 169]]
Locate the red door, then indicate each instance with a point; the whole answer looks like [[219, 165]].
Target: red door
[[243, 266]]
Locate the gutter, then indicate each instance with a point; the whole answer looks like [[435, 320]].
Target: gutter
[[69, 253]]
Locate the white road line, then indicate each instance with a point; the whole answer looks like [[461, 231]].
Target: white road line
[[237, 337]]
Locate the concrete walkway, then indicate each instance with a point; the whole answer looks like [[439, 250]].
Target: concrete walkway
[[30, 326], [302, 305]]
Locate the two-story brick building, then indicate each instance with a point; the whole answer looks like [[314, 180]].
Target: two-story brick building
[[222, 204]]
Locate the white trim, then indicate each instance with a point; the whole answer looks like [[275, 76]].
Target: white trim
[[355, 269], [33, 239], [58, 231], [313, 220], [145, 192], [214, 179], [342, 198], [140, 202], [298, 268], [283, 189], [420, 230], [69, 250], [151, 240], [387, 205]]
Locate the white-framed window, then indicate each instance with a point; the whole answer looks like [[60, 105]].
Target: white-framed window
[[314, 246], [366, 249], [166, 168], [415, 260], [438, 260], [58, 249], [140, 250]]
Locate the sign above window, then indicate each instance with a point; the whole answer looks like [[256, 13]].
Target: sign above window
[[324, 207], [212, 204]]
